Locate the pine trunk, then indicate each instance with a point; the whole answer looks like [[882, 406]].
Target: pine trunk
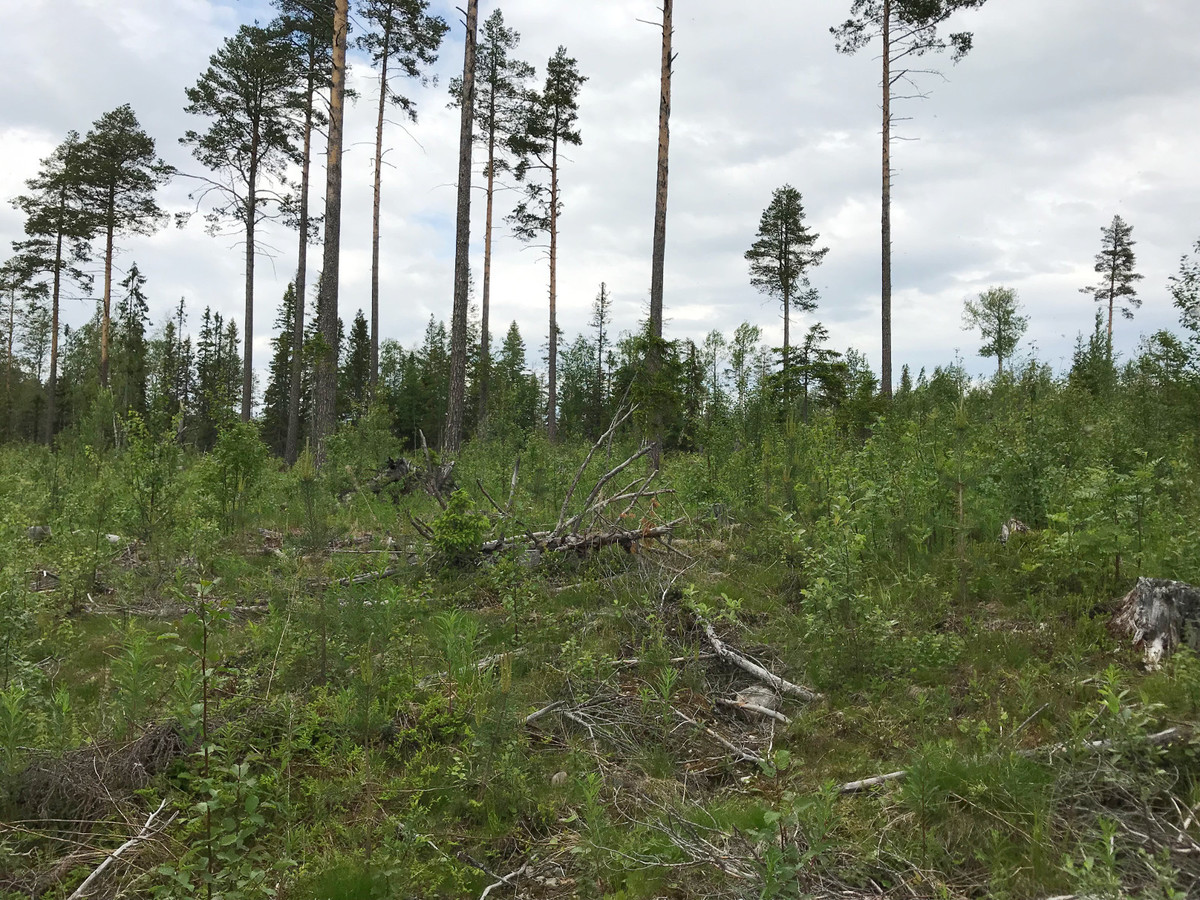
[[291, 445], [248, 329], [106, 304], [56, 292], [462, 243], [485, 338], [658, 258], [885, 373], [552, 375], [325, 376], [384, 51]]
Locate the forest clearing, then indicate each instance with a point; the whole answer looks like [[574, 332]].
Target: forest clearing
[[668, 608]]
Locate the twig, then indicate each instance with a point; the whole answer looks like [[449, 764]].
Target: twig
[[605, 479], [146, 832], [732, 748], [756, 709], [533, 717], [781, 685]]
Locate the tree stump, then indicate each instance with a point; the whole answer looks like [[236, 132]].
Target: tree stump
[[1160, 615]]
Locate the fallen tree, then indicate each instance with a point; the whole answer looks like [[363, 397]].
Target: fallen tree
[[603, 520], [436, 479]]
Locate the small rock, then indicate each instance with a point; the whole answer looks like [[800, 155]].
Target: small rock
[[558, 779]]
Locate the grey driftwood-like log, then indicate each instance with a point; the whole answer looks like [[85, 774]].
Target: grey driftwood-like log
[[731, 656], [1160, 615], [755, 709]]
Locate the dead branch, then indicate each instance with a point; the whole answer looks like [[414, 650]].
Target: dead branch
[[147, 831], [737, 751], [756, 709], [545, 710], [621, 416], [437, 495], [731, 656], [608, 476], [368, 577]]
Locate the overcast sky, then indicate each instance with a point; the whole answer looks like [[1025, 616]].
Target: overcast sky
[[1065, 113]]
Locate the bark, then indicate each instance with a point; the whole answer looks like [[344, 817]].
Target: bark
[[384, 53], [552, 378], [106, 311], [885, 366], [291, 448], [658, 258], [248, 325], [485, 337], [462, 244], [325, 386]]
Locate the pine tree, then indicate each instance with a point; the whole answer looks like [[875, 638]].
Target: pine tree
[[907, 29], [550, 124], [308, 25], [402, 37], [248, 93], [60, 231], [122, 172], [500, 91], [1114, 265], [781, 257], [325, 354], [456, 402]]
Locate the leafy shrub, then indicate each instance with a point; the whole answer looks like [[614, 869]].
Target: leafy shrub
[[458, 532]]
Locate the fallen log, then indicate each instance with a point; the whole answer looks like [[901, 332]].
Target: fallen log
[[1160, 615], [731, 656], [755, 709]]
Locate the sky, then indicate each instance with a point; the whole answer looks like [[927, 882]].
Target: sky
[[1066, 113]]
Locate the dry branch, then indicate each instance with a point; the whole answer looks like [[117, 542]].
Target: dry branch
[[147, 831], [731, 656], [756, 709], [737, 751]]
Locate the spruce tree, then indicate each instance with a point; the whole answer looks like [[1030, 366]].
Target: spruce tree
[[277, 397], [354, 388], [130, 347]]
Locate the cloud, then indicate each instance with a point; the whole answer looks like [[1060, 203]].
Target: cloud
[[1064, 114]]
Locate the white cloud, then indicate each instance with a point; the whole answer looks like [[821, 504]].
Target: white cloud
[[1064, 114]]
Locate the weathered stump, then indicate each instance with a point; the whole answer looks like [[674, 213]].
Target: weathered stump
[[1160, 615]]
